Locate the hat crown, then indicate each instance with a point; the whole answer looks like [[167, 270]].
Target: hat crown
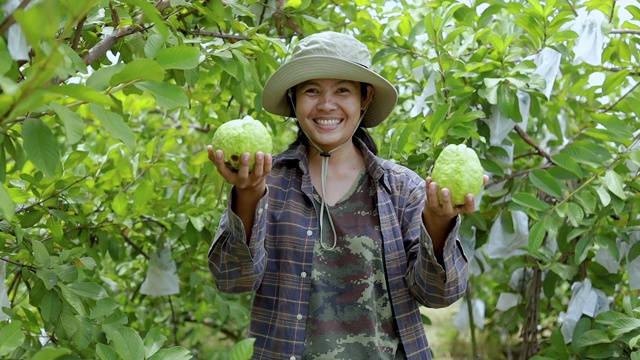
[[335, 45]]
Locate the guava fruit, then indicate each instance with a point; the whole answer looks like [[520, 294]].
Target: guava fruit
[[458, 169], [236, 137]]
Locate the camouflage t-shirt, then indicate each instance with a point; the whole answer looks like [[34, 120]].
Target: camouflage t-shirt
[[350, 315]]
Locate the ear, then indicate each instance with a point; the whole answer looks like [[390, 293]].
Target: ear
[[367, 99]]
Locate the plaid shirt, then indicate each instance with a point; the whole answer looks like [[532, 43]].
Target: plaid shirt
[[276, 263]]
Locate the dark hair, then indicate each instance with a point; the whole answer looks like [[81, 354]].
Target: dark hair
[[361, 132]]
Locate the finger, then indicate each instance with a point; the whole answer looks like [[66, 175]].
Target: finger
[[268, 162], [446, 200], [470, 203], [432, 194], [485, 179], [243, 169], [210, 152], [258, 169]]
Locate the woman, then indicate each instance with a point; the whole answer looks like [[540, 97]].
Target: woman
[[339, 245]]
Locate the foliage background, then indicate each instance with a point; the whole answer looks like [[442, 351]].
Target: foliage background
[[106, 107]]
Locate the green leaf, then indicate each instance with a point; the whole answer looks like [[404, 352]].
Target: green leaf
[[530, 201], [73, 299], [568, 163], [48, 277], [41, 147], [106, 352], [138, 70], [536, 236], [120, 204], [41, 254], [592, 337], [168, 96], [81, 92], [634, 252], [11, 336], [127, 342], [614, 81], [89, 290], [605, 198], [104, 307], [613, 181], [172, 353], [609, 317], [151, 14], [242, 350], [73, 122], [51, 306], [7, 206], [624, 325], [50, 353], [116, 126], [508, 102], [182, 57], [153, 341], [545, 182]]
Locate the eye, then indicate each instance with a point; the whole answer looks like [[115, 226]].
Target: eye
[[343, 90]]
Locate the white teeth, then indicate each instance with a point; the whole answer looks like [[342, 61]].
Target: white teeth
[[328, 122]]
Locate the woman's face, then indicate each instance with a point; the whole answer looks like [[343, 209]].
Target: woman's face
[[328, 110]]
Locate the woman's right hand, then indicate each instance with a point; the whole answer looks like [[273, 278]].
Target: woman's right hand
[[243, 180]]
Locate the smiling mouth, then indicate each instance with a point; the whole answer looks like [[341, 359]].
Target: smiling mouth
[[328, 122]]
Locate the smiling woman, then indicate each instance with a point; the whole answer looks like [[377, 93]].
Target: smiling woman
[[351, 243]]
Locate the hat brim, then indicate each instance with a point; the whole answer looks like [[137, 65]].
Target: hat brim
[[274, 95]]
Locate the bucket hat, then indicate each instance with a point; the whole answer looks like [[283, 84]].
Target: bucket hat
[[329, 55]]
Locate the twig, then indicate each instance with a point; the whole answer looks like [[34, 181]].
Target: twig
[[31, 268], [214, 34], [78, 35], [613, 10], [135, 246], [530, 141], [620, 99], [625, 31], [10, 20], [174, 321]]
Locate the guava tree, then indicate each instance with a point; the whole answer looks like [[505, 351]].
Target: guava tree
[[108, 203]]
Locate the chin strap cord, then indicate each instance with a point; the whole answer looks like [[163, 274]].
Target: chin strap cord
[[323, 173]]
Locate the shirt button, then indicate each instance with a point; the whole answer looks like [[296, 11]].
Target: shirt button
[[260, 211], [292, 358], [303, 274], [309, 232], [299, 317]]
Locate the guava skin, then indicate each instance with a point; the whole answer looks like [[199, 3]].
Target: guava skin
[[239, 136], [459, 170]]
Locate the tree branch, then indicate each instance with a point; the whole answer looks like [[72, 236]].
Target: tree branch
[[31, 268], [214, 34], [101, 48], [530, 141], [10, 20], [127, 239], [620, 99], [625, 31]]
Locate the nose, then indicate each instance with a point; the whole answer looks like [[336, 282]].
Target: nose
[[327, 101]]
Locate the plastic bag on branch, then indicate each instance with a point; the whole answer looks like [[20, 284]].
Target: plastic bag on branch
[[548, 67], [589, 46], [4, 299], [503, 243], [420, 106], [461, 321], [161, 276], [585, 300], [16, 40], [633, 266], [500, 125]]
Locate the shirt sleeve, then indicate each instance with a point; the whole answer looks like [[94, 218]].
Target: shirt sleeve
[[238, 266], [434, 284]]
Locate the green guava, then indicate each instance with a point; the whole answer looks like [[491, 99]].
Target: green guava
[[458, 169], [239, 136]]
